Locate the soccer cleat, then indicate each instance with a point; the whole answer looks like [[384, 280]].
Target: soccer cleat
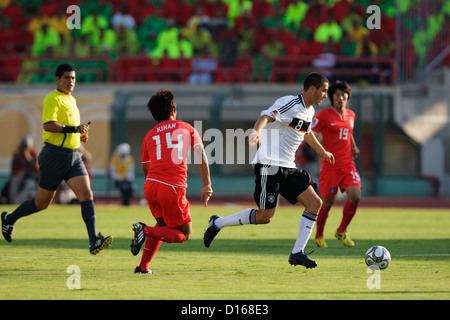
[[139, 270], [345, 239], [100, 243], [320, 242], [300, 258], [7, 229], [211, 231], [139, 238]]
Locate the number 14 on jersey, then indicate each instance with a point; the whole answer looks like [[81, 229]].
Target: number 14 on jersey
[[170, 145]]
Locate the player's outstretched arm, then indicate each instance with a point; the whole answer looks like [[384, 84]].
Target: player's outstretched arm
[[311, 139], [253, 138], [207, 190]]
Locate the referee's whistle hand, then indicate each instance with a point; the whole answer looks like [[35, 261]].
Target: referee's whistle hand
[[84, 128]]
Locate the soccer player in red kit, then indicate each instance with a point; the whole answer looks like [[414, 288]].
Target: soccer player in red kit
[[164, 160], [336, 124]]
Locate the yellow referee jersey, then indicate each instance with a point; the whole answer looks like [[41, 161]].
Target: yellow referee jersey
[[63, 109]]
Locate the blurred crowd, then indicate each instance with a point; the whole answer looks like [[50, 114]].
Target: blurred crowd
[[191, 28]]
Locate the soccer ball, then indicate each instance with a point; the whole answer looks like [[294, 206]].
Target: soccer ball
[[378, 256]]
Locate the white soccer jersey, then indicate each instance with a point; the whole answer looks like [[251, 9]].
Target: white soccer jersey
[[281, 138]]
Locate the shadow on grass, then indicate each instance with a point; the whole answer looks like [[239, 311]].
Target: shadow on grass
[[427, 248]]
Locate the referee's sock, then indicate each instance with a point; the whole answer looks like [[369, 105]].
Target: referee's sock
[[88, 215], [26, 208]]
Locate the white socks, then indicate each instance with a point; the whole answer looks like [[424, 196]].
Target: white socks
[[305, 228], [247, 216]]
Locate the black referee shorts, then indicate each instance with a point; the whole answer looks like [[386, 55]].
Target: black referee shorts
[[271, 181], [57, 164]]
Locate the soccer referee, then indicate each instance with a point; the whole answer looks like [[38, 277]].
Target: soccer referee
[[60, 160]]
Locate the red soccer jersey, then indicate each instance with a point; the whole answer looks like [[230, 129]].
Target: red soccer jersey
[[166, 147], [336, 130]]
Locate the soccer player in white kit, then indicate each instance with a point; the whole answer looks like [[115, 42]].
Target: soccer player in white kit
[[279, 131]]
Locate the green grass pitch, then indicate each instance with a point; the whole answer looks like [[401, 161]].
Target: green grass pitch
[[245, 262]]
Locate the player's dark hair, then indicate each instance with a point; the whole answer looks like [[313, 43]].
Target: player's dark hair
[[65, 67], [161, 105], [314, 79], [343, 85]]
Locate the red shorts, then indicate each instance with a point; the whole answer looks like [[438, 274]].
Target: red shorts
[[167, 202], [331, 179]]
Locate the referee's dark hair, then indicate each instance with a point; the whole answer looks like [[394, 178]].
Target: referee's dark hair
[[314, 79], [343, 85], [161, 105], [65, 67]]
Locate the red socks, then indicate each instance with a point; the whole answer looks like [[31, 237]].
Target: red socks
[[155, 236], [150, 248], [165, 234], [320, 222], [348, 214]]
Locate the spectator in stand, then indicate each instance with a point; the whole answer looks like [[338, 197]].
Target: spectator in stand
[[49, 7], [23, 40], [308, 47], [152, 26], [6, 34], [261, 37], [83, 48], [358, 33], [127, 41], [64, 48], [200, 18], [44, 38], [283, 34], [246, 36], [200, 39], [105, 43], [327, 29], [245, 20], [123, 19], [14, 11], [341, 9], [147, 9], [317, 12], [167, 40], [25, 170], [38, 20], [104, 8], [366, 48], [92, 24], [348, 45], [326, 60], [122, 171], [219, 24], [58, 21], [356, 12], [262, 9], [273, 20], [273, 48], [186, 50], [236, 8], [295, 13], [387, 46], [184, 11]]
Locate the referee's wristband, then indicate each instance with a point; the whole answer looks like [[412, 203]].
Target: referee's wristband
[[69, 129]]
